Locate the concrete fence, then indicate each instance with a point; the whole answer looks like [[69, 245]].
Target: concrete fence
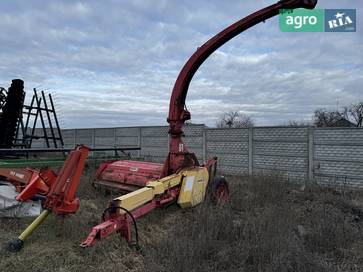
[[324, 155]]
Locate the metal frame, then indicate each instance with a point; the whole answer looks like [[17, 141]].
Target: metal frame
[[39, 105]]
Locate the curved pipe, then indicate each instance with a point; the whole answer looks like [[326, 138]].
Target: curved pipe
[[177, 114], [179, 156]]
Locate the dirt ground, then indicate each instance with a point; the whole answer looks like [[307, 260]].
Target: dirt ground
[[266, 226]]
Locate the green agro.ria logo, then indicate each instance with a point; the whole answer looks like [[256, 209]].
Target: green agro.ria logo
[[318, 20]]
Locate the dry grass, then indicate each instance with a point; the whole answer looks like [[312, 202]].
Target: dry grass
[[266, 226]]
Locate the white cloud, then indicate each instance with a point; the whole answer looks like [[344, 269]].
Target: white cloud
[[114, 63]]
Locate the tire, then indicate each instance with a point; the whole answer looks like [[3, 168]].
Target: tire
[[218, 190]]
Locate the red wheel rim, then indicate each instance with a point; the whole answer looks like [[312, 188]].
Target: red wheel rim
[[222, 193]]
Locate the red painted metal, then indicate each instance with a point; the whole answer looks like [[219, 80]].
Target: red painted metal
[[116, 185], [222, 194], [179, 156], [16, 176], [117, 222], [117, 174], [39, 183], [59, 190], [169, 196], [60, 198], [29, 182], [121, 222]]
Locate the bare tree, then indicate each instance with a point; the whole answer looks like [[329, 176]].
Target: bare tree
[[349, 116], [325, 118], [235, 119], [355, 113]]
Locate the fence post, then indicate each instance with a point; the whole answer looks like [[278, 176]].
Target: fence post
[[204, 142], [115, 137], [75, 138], [311, 154], [93, 132], [250, 151], [115, 140], [139, 142]]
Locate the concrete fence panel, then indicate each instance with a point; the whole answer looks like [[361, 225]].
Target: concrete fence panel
[[323, 155], [338, 156]]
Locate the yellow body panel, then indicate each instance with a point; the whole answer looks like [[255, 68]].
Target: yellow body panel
[[135, 199], [171, 181], [144, 195], [194, 183], [157, 186], [194, 186]]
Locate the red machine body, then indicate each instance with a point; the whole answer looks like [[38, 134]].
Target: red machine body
[[29, 182], [61, 196], [179, 157], [39, 183], [59, 190], [127, 175]]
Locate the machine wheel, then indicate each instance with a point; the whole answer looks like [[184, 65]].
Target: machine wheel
[[15, 245], [218, 190]]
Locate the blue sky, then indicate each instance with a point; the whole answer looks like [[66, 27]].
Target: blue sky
[[114, 63]]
